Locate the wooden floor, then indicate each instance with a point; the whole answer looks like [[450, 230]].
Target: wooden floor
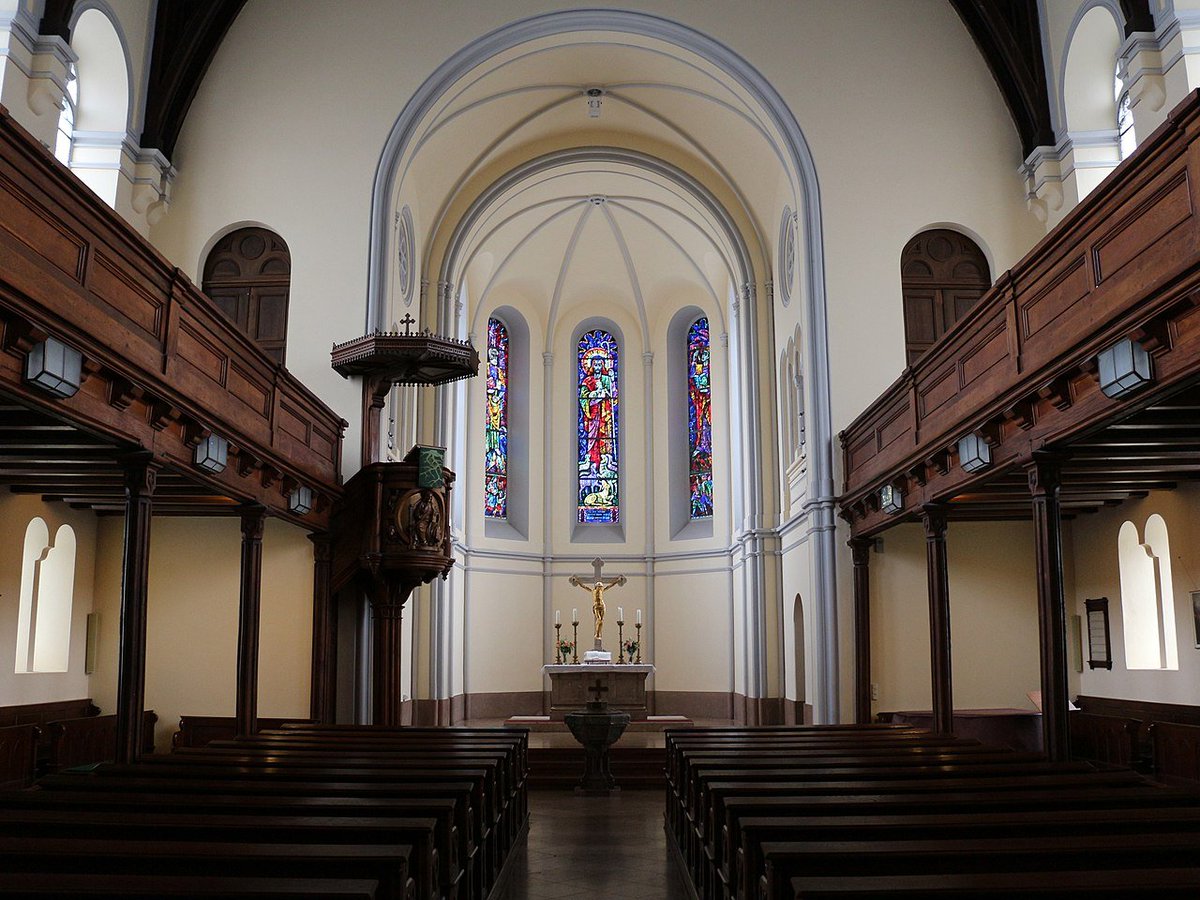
[[594, 847]]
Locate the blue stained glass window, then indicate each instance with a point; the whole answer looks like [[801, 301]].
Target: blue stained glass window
[[598, 438], [700, 421], [495, 466]]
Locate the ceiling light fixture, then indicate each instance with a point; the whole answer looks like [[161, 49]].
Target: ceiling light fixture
[[595, 96]]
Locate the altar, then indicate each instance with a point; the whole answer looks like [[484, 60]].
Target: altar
[[623, 686]]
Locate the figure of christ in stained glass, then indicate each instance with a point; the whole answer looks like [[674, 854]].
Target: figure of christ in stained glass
[[495, 477], [598, 412], [700, 421]]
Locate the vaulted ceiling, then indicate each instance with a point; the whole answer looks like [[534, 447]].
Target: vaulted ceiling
[[187, 35]]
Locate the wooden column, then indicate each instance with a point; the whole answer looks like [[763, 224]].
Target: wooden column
[[141, 474], [860, 549], [387, 608], [322, 692], [254, 519], [1044, 483], [933, 517]]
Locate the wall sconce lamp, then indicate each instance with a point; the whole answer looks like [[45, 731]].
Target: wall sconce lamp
[[300, 501], [212, 454], [974, 453], [1124, 367], [54, 367], [891, 499]]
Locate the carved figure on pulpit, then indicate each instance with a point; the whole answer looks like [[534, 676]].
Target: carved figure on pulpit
[[426, 521]]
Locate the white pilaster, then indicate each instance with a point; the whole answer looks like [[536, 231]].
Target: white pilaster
[[34, 70]]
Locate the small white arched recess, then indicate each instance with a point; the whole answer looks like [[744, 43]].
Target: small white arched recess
[[47, 592], [1147, 596]]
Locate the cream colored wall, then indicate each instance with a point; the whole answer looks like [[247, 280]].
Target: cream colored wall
[[898, 145], [993, 617], [191, 656], [16, 511], [1094, 543]]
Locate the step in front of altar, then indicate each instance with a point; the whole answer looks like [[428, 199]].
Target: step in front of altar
[[547, 724]]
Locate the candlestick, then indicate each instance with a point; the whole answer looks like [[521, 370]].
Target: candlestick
[[575, 641], [639, 637], [558, 643], [620, 614], [574, 616], [639, 617], [557, 617], [620, 637]]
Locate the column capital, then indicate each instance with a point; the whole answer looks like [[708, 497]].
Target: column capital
[[254, 520], [547, 359], [933, 519], [648, 358], [322, 543], [860, 549], [1044, 473], [140, 469]]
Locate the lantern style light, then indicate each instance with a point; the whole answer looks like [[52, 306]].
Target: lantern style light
[[974, 453], [1124, 367], [891, 499], [54, 367], [300, 501], [212, 453]]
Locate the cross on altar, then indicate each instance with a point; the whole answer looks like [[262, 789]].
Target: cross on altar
[[598, 688]]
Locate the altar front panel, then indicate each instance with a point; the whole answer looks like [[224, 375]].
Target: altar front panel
[[626, 687]]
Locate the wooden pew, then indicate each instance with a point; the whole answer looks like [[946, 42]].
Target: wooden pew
[[220, 828], [785, 860], [92, 739], [387, 865], [1127, 884], [1176, 751], [719, 783], [18, 756], [68, 886]]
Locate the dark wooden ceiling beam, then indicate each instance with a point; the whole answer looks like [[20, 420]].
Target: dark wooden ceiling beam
[[186, 38], [1009, 37]]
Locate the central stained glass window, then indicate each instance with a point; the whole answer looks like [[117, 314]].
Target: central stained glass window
[[495, 463], [598, 441], [700, 421]]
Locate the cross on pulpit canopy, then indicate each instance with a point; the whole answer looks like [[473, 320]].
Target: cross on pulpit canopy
[[598, 688], [408, 321]]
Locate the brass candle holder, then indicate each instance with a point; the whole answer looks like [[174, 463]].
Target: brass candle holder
[[575, 643], [558, 643], [639, 642], [620, 641]]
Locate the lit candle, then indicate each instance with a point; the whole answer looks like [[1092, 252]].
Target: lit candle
[[557, 617], [574, 616], [620, 614], [639, 619]]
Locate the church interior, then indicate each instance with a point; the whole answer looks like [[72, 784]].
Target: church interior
[[811, 387]]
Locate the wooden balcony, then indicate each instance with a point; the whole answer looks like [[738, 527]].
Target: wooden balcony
[[1020, 368], [162, 366]]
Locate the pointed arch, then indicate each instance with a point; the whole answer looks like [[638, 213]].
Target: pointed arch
[[599, 455]]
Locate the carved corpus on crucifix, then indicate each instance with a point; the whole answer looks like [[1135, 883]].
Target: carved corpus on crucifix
[[596, 587]]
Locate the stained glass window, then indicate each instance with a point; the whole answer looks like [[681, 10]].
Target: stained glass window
[[700, 421], [598, 411], [495, 466]]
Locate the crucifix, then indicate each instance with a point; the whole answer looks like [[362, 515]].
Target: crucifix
[[599, 585]]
